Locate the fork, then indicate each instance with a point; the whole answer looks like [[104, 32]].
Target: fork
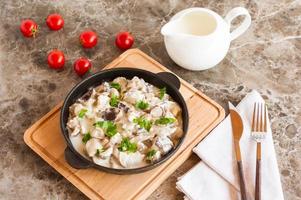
[[259, 130]]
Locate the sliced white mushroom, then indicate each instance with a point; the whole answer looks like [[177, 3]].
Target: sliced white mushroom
[[127, 133], [92, 145], [164, 144], [106, 86], [107, 153], [152, 99], [115, 163], [75, 131], [122, 82], [142, 135], [74, 126], [132, 96], [85, 125], [151, 89], [165, 97], [130, 160], [157, 112], [115, 139], [164, 130], [99, 89], [114, 92], [103, 101], [98, 133], [77, 107], [141, 147], [116, 152], [172, 107], [137, 83], [103, 162], [177, 134], [169, 114], [90, 107], [120, 115], [156, 156], [133, 115], [105, 142]]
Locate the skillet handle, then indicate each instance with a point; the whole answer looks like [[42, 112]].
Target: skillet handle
[[171, 78], [75, 161]]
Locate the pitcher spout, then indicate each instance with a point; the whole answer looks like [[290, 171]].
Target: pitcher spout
[[195, 23], [169, 29]]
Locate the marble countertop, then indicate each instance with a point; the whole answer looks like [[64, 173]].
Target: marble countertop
[[267, 58]]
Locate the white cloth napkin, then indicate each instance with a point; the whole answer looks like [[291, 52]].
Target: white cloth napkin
[[216, 176]]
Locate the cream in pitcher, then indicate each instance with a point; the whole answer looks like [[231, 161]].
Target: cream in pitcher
[[198, 38]]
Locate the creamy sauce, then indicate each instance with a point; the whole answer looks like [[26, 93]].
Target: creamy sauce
[[125, 123], [197, 23]]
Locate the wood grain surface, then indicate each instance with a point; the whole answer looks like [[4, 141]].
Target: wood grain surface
[[45, 138]]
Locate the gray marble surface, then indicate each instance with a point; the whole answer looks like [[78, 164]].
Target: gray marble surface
[[267, 58]]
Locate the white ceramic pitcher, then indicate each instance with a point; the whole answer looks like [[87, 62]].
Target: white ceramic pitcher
[[198, 38]]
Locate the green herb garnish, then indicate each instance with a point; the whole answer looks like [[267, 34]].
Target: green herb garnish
[[142, 105], [98, 151], [82, 113], [103, 124], [150, 154], [111, 131], [108, 126], [114, 101], [127, 145], [116, 86], [162, 92], [143, 123], [86, 137], [165, 120]]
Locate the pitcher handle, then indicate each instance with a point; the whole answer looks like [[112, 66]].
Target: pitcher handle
[[235, 12]]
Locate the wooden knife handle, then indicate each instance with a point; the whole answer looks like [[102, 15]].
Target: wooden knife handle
[[242, 181], [258, 173]]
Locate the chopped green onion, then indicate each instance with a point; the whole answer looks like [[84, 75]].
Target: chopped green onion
[[82, 113], [150, 154], [114, 101], [111, 131], [162, 92], [143, 123], [86, 137], [109, 127], [98, 151], [127, 145], [103, 124], [116, 86], [142, 105], [165, 120]]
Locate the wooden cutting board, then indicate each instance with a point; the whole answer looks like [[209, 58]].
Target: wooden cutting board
[[45, 138]]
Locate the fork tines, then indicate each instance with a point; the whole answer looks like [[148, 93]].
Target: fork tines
[[259, 121]]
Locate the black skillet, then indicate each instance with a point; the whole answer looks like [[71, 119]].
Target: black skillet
[[162, 79]]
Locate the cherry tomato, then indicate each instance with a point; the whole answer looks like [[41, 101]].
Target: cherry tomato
[[88, 39], [55, 22], [124, 40], [28, 28], [82, 66], [56, 59]]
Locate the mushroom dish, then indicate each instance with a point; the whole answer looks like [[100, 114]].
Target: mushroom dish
[[125, 123]]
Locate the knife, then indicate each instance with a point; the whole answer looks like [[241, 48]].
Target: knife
[[237, 129]]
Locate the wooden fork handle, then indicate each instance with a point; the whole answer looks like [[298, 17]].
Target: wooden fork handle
[[258, 173], [242, 181]]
